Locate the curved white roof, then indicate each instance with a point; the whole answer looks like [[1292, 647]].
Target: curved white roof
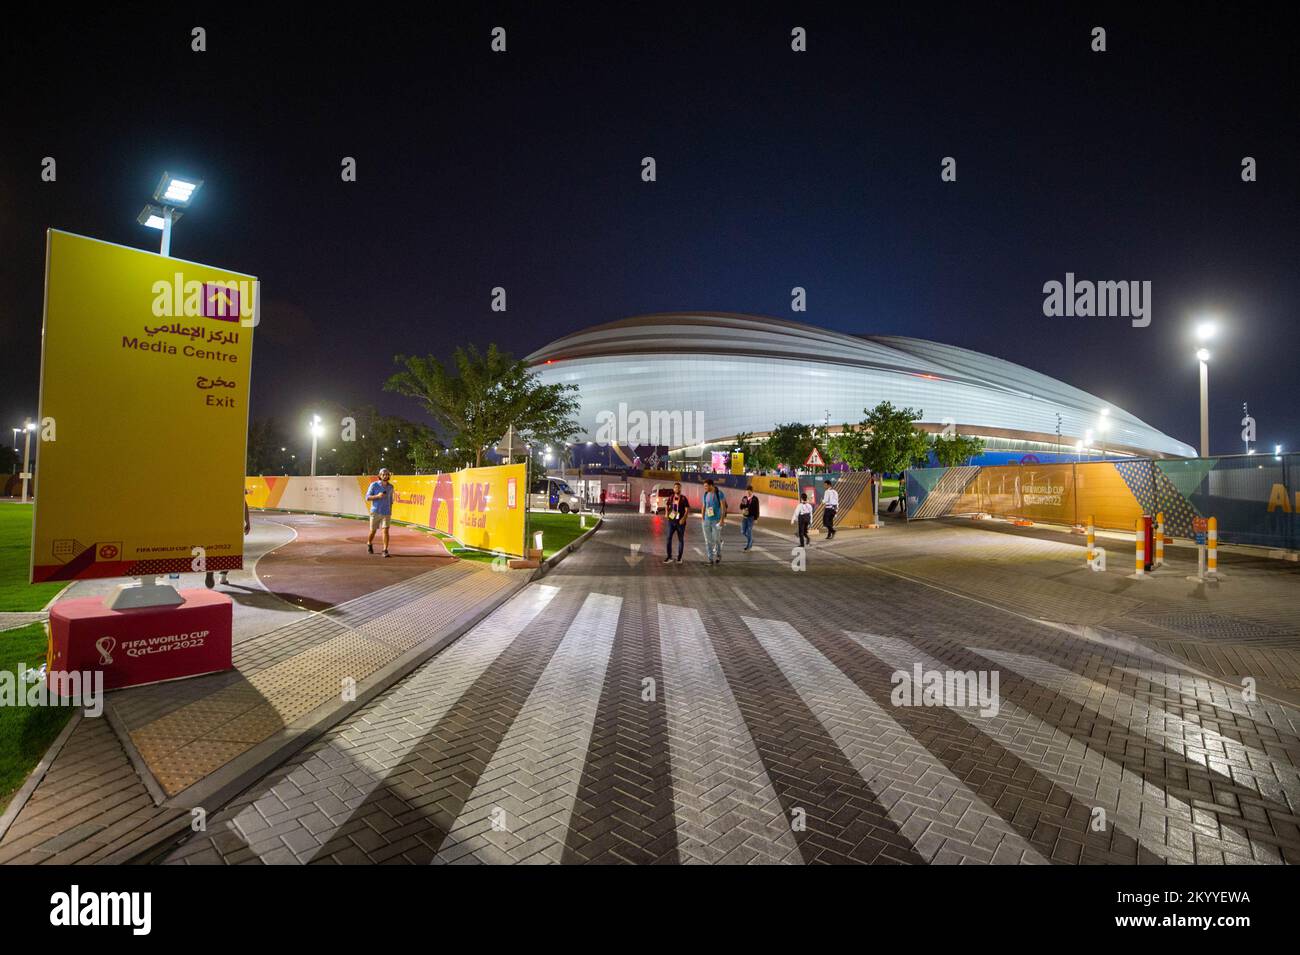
[[746, 373]]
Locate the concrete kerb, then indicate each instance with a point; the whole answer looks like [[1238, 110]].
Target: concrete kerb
[[563, 552]]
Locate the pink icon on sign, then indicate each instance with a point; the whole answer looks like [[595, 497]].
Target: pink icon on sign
[[220, 302]]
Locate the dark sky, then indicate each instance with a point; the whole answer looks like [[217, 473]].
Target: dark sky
[[775, 169]]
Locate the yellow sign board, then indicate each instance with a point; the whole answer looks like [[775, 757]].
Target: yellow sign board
[[145, 366]]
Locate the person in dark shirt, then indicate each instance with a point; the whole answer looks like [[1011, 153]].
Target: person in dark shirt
[[677, 508], [749, 512]]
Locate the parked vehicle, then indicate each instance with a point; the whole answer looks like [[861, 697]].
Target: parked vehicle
[[555, 494]]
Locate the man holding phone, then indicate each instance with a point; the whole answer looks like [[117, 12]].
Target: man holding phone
[[380, 496]]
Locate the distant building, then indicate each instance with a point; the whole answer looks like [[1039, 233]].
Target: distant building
[[693, 381]]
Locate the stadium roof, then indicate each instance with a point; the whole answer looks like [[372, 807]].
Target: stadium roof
[[654, 362]]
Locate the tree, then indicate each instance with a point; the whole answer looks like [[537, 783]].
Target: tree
[[266, 439], [377, 440], [955, 449], [790, 444], [847, 446], [892, 442], [486, 393]]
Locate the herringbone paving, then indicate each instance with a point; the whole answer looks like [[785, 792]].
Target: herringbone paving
[[622, 710]]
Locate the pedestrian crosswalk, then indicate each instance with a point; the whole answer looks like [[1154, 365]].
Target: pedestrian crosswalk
[[784, 743]]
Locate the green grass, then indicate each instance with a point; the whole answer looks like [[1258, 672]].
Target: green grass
[[558, 530], [26, 732], [15, 547]]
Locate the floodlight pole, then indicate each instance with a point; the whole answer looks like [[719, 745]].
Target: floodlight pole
[[167, 231], [1205, 408], [27, 455]]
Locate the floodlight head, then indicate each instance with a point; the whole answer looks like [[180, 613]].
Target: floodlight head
[[176, 190], [31, 426], [153, 217], [1203, 354], [1205, 330]]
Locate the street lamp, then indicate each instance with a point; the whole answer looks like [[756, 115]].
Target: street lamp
[[28, 426], [1205, 330], [316, 431], [1103, 425], [172, 193], [1203, 356]]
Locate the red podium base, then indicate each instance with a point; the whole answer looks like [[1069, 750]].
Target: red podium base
[[142, 645]]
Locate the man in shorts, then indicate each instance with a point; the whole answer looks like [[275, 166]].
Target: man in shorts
[[380, 496]]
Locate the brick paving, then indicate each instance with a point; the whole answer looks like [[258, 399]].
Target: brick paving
[[190, 739], [621, 710]]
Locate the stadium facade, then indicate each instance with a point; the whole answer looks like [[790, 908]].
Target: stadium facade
[[722, 374]]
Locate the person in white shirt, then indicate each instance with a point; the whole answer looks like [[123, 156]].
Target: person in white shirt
[[802, 516], [830, 505]]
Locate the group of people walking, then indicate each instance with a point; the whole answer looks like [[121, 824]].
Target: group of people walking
[[713, 517]]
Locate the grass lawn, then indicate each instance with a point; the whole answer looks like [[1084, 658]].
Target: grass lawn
[[558, 531], [26, 732], [15, 546]]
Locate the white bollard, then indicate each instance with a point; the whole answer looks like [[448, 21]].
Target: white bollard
[[1098, 562]]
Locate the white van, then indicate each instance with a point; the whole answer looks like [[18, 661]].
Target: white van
[[555, 494]]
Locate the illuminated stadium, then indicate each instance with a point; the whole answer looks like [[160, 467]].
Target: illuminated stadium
[[746, 374]]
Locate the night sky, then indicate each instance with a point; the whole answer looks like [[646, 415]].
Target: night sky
[[775, 169]]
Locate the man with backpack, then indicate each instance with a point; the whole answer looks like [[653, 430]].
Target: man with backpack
[[714, 515]]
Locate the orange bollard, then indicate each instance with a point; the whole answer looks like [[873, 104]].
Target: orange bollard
[[1140, 552], [1212, 548], [1092, 538], [1160, 539]]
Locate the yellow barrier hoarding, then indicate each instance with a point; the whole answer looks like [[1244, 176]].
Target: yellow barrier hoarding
[[145, 364], [480, 507]]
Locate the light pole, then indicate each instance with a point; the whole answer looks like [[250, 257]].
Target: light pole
[[1204, 332], [1103, 424], [28, 426], [316, 431], [171, 194]]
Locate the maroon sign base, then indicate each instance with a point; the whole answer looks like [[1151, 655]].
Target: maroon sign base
[[142, 645]]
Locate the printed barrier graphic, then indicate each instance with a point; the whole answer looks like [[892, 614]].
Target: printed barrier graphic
[[1254, 497], [480, 507]]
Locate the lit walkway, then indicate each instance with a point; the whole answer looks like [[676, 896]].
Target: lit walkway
[[624, 710]]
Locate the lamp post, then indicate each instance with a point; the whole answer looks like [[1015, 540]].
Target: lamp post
[[28, 426], [1204, 332], [172, 193], [316, 432], [1103, 424]]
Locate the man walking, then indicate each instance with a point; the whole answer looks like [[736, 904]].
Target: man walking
[[678, 507], [380, 496], [602, 499], [714, 508], [830, 504], [802, 516], [749, 508]]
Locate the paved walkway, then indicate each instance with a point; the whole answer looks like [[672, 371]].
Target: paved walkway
[[621, 710], [188, 743]]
